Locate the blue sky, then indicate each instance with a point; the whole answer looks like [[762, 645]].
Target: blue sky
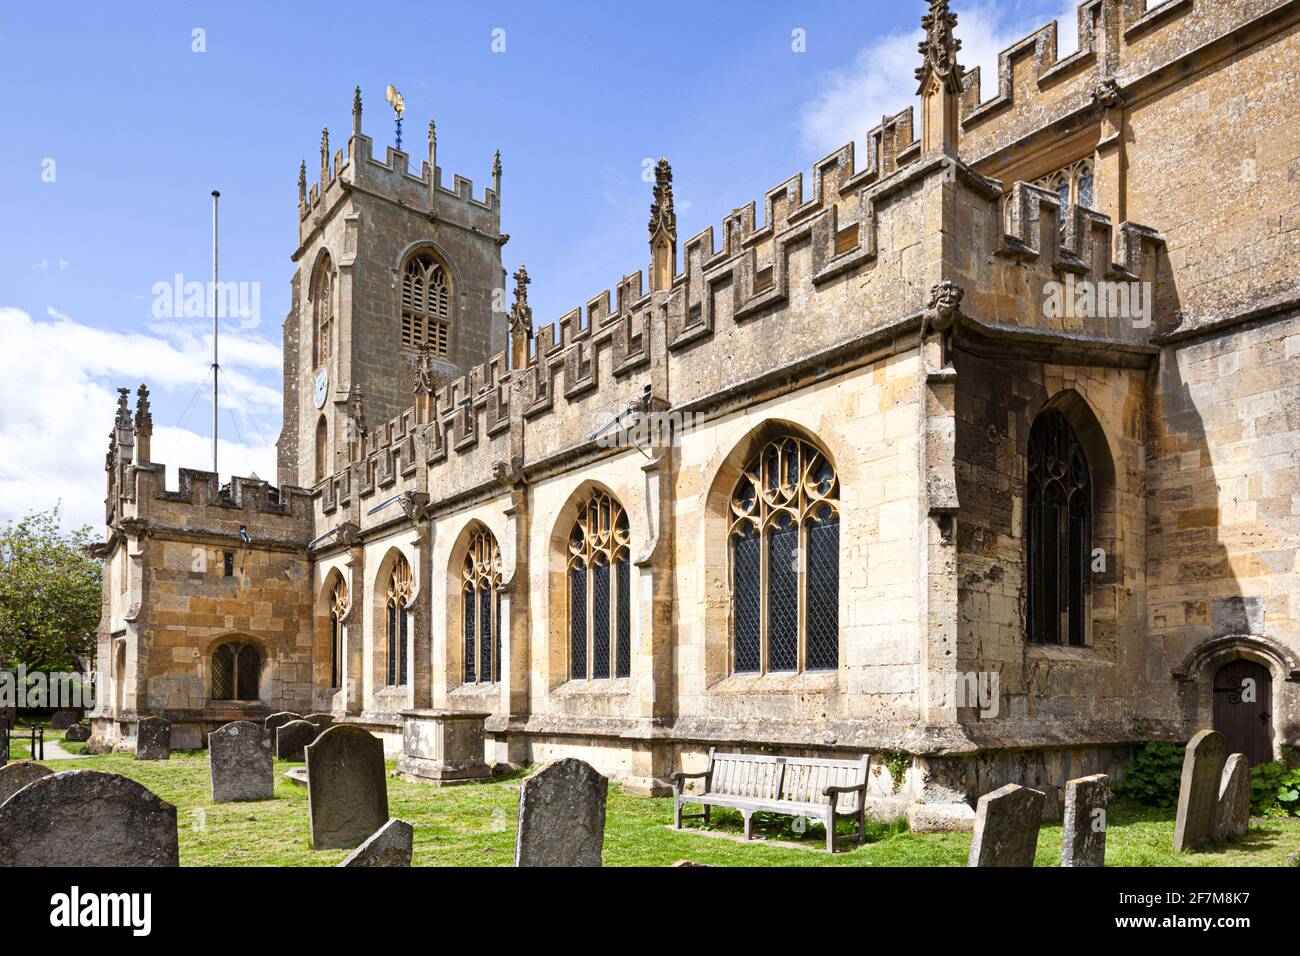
[[140, 128]]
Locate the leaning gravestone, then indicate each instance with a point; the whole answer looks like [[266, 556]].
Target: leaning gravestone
[[561, 816], [346, 789], [1232, 807], [390, 845], [278, 720], [292, 739], [1006, 827], [87, 818], [239, 754], [15, 776], [153, 739], [1198, 792], [1083, 837], [78, 733], [63, 719]]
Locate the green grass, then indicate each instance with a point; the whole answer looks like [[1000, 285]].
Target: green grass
[[474, 825]]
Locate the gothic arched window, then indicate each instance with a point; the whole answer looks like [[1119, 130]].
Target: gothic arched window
[[785, 561], [1073, 186], [600, 592], [323, 306], [1058, 532], [481, 576], [426, 303], [397, 620], [236, 672], [338, 611]]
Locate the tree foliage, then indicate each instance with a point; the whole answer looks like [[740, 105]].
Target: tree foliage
[[49, 593]]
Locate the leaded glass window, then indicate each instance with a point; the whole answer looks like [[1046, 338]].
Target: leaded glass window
[[236, 672], [785, 561], [1058, 532], [480, 578], [600, 592], [1073, 186], [338, 611], [397, 620]]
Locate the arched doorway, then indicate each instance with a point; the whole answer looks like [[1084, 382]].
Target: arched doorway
[[1243, 705]]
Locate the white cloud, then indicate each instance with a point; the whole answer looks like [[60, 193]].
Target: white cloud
[[60, 393], [881, 81]]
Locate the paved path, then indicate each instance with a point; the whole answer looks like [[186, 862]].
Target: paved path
[[54, 752]]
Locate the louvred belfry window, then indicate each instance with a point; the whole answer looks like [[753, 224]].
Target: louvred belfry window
[[397, 620], [785, 561], [323, 302], [426, 304], [600, 592], [1058, 532], [481, 576]]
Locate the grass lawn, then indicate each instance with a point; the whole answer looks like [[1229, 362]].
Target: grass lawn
[[474, 825]]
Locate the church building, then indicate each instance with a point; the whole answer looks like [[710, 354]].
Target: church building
[[978, 453]]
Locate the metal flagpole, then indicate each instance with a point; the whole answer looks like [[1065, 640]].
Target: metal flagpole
[[215, 367]]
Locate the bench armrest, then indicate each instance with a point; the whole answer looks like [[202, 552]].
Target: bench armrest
[[829, 791], [680, 778]]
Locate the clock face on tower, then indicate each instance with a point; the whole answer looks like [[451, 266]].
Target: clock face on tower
[[321, 388]]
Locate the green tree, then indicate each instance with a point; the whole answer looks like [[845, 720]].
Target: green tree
[[49, 593]]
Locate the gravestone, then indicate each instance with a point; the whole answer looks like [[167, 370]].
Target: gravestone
[[561, 816], [292, 739], [1198, 791], [153, 739], [390, 845], [346, 790], [78, 733], [239, 755], [1232, 807], [1083, 837], [15, 776], [63, 719], [87, 818], [278, 720], [322, 722], [1006, 827]]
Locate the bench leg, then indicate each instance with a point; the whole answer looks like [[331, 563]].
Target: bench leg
[[749, 817], [677, 811], [706, 814], [830, 830], [862, 821]]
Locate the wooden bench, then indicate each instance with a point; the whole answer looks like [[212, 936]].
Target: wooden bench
[[794, 786]]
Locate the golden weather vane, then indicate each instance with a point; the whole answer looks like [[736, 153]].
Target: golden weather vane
[[399, 107]]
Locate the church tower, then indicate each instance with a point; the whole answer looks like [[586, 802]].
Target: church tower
[[390, 265]]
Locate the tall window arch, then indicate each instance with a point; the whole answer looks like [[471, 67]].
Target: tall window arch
[[1058, 532], [481, 610], [236, 671], [1073, 186], [338, 611], [397, 620], [323, 309], [322, 449], [785, 561], [426, 303], [600, 592]]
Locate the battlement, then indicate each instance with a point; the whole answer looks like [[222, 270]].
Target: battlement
[[1120, 40], [391, 178]]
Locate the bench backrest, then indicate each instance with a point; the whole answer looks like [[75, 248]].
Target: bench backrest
[[797, 779]]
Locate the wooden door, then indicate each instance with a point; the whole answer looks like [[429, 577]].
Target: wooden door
[[1243, 704]]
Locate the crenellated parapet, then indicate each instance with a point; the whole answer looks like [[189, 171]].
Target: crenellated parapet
[[1124, 40], [357, 168]]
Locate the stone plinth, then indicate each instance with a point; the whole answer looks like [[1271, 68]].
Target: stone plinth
[[442, 747]]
